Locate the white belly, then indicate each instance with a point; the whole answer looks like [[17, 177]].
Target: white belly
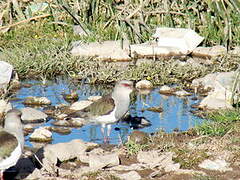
[[12, 159]]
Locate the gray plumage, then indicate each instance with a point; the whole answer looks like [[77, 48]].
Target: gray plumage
[[11, 139]]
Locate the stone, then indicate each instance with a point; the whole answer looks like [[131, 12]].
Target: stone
[[37, 101], [182, 93], [4, 106], [235, 51], [106, 50], [94, 98], [209, 52], [216, 165], [52, 153], [79, 105], [72, 97], [103, 161], [139, 137], [212, 101], [151, 50], [144, 84], [129, 176], [41, 134], [166, 90], [132, 167], [6, 70], [221, 92], [73, 122], [153, 159], [60, 130], [186, 40], [32, 115]]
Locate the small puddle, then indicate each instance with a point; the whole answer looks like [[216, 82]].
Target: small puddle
[[176, 110]]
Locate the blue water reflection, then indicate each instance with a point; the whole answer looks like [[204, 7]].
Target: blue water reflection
[[176, 110]]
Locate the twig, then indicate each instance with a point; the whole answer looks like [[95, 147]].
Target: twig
[[24, 21]]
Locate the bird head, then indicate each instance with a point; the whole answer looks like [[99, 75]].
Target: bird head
[[124, 86]]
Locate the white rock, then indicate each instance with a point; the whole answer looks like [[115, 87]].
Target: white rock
[[212, 101], [41, 134], [94, 98], [107, 50], [209, 52], [52, 153], [153, 50], [144, 84], [6, 74], [184, 39], [132, 167], [235, 51], [182, 93], [129, 176], [79, 105], [101, 161], [217, 165], [221, 93], [31, 114], [4, 106], [154, 159]]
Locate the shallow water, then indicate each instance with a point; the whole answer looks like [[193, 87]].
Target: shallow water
[[176, 110]]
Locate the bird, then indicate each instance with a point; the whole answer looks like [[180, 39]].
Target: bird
[[110, 108], [11, 140]]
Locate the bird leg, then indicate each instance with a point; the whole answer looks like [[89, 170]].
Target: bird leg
[[1, 175]]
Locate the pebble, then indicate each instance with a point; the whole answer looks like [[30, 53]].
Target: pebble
[[144, 84]]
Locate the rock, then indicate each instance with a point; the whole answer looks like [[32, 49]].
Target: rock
[[151, 49], [41, 135], [4, 106], [107, 50], [212, 101], [157, 109], [139, 137], [76, 122], [52, 153], [166, 90], [6, 74], [132, 167], [28, 128], [60, 130], [144, 84], [79, 105], [61, 116], [72, 97], [32, 115], [103, 161], [37, 101], [129, 176], [235, 51], [153, 159], [186, 40], [209, 52], [182, 93], [94, 98], [216, 165], [137, 122], [221, 94]]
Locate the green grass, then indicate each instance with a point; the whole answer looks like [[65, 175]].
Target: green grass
[[219, 123], [133, 148]]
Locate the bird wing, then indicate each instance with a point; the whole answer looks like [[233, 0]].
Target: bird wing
[[8, 143], [103, 106]]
